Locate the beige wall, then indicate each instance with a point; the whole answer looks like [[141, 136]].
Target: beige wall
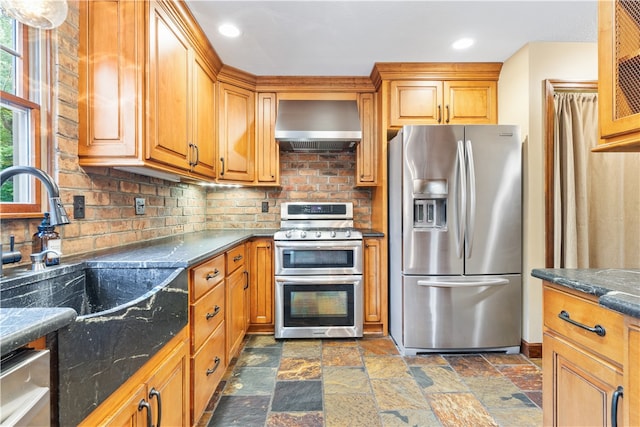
[[520, 101]]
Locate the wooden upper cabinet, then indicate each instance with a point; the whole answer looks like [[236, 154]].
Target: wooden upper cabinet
[[267, 150], [110, 82], [442, 102], [169, 90], [470, 102], [367, 151], [146, 94], [236, 144], [204, 139], [619, 75], [415, 102]]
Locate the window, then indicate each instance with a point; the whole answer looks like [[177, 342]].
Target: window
[[20, 115]]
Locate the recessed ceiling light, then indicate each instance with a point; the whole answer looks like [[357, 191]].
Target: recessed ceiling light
[[463, 43], [229, 30]]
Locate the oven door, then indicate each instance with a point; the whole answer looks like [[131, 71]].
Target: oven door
[[318, 306], [301, 258]]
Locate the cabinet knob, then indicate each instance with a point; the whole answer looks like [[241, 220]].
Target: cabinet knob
[[213, 274]]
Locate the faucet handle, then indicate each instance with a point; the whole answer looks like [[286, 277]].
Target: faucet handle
[[37, 259]]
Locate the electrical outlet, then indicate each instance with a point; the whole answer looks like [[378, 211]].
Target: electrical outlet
[[139, 206], [265, 206], [78, 207]]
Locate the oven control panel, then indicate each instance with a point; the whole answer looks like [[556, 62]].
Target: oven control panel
[[318, 234]]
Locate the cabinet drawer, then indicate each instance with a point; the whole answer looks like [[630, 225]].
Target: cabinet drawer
[[208, 366], [235, 258], [207, 314], [206, 276], [587, 313]]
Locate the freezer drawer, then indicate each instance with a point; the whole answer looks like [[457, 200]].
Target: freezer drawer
[[461, 313]]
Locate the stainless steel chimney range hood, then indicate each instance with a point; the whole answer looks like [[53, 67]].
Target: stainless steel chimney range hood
[[318, 125]]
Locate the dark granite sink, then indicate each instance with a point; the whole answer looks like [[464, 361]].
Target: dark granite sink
[[125, 315]]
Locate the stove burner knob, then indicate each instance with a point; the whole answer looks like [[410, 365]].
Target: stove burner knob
[[333, 233], [287, 234], [303, 234], [318, 234], [347, 233]]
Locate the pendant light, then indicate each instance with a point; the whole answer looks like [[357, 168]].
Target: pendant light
[[44, 14]]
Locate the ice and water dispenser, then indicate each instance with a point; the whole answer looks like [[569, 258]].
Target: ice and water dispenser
[[430, 203]]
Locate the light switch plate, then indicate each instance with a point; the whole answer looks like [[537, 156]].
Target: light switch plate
[[140, 206]]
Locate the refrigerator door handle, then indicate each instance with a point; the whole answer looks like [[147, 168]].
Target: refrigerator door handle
[[456, 283], [471, 219], [461, 195]]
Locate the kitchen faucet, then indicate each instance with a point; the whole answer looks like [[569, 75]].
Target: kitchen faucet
[[57, 214]]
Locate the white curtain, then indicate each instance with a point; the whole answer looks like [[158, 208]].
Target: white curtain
[[575, 134]]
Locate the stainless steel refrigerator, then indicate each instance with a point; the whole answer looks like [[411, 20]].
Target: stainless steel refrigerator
[[455, 238]]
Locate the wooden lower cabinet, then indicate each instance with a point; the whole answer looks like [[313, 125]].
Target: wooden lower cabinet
[[237, 309], [208, 365], [632, 372], [583, 385], [208, 331], [583, 369], [375, 296], [160, 387], [261, 285]]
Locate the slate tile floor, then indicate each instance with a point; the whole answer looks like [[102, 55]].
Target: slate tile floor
[[365, 382]]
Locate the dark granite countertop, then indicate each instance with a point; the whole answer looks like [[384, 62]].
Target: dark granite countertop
[[186, 250], [19, 326], [616, 289]]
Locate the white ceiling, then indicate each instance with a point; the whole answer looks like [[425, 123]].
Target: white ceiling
[[346, 38]]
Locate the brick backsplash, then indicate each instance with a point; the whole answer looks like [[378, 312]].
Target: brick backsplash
[[171, 208], [318, 177]]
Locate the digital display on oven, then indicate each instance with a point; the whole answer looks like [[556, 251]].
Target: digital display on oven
[[305, 304]]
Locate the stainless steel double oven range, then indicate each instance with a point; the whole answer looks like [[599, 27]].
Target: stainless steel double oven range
[[318, 272]]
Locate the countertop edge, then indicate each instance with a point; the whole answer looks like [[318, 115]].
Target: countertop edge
[[20, 326], [616, 289]]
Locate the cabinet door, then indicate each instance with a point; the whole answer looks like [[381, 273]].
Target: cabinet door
[[236, 315], [168, 389], [415, 102], [578, 386], [203, 144], [110, 79], [619, 68], [367, 149], [126, 414], [470, 102], [267, 153], [236, 134], [169, 90], [372, 276], [261, 282], [632, 372]]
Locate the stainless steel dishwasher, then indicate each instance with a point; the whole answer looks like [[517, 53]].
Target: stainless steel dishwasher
[[24, 389]]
